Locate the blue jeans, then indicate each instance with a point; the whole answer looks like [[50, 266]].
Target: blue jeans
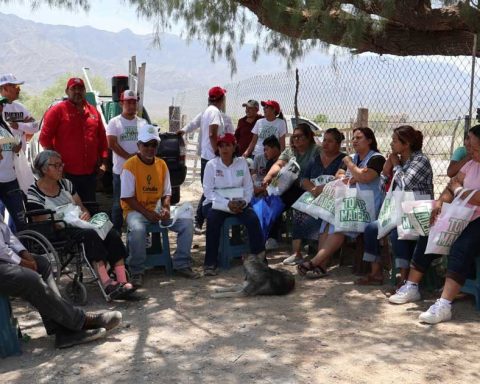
[[402, 249], [12, 198], [137, 224], [215, 219], [117, 215], [461, 260]]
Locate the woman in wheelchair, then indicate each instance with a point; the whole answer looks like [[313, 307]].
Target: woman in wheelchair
[[50, 191]]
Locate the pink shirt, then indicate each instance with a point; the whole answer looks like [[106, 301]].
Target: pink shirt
[[471, 170]]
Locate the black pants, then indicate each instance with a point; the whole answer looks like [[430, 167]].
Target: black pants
[[86, 185], [199, 218]]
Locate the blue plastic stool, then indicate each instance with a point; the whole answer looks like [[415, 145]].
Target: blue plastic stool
[[9, 330], [226, 250], [472, 287]]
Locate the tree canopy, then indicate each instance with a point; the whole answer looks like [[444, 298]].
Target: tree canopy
[[292, 27]]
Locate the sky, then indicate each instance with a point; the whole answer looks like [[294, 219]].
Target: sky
[[109, 15]]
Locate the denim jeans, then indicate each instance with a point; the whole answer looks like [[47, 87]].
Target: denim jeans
[[461, 260], [199, 216], [36, 288], [117, 214], [12, 198], [137, 224], [215, 219], [402, 249]]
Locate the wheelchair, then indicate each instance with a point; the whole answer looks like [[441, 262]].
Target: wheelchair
[[66, 253]]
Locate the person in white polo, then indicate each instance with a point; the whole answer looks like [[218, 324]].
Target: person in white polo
[[122, 133]]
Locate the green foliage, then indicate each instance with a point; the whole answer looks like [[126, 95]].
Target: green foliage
[[320, 118]]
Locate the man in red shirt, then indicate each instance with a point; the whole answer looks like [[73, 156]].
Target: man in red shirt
[[243, 133], [74, 129]]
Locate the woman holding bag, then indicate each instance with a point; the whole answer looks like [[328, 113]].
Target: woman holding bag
[[411, 170], [463, 250], [50, 191], [361, 171]]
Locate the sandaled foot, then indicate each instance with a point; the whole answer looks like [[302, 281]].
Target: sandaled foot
[[311, 271], [369, 280], [117, 291]]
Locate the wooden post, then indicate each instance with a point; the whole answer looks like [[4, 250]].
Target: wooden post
[[141, 88], [173, 118], [362, 118]]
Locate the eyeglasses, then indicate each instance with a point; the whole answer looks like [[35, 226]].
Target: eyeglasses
[[150, 144], [297, 137], [57, 165]]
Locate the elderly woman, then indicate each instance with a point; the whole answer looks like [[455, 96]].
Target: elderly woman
[[362, 170], [464, 249], [51, 191], [223, 175], [325, 163], [413, 172]]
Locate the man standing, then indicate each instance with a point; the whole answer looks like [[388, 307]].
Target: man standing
[[243, 133], [122, 132], [74, 129], [145, 198]]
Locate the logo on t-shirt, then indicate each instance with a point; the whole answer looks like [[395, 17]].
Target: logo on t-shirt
[[219, 173], [240, 173], [14, 117], [148, 188], [267, 131], [129, 134]]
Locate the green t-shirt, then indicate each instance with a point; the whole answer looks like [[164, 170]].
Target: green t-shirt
[[459, 154], [302, 160]]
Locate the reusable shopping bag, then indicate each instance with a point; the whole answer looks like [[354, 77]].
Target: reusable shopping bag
[[182, 211], [354, 208], [418, 213], [451, 222], [70, 213], [323, 207], [267, 209], [285, 178], [23, 171], [304, 203], [322, 180]]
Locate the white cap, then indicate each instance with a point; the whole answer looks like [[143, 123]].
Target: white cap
[[9, 78], [128, 95], [147, 133]]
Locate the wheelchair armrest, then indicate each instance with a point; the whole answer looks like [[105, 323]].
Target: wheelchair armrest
[[39, 212]]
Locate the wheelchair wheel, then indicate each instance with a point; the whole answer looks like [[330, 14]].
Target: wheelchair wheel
[[38, 244], [76, 292]]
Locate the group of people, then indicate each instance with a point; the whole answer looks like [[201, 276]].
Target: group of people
[[236, 166]]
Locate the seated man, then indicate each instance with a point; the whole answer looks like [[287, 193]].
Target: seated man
[[30, 277], [145, 181]]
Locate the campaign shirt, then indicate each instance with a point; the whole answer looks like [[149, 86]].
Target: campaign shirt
[[264, 128], [7, 169], [211, 116], [79, 136], [126, 132], [471, 170], [17, 113]]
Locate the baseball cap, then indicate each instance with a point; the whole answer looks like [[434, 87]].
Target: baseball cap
[[216, 93], [251, 103], [3, 100], [128, 95], [226, 138], [9, 78], [73, 81], [273, 104], [148, 133]]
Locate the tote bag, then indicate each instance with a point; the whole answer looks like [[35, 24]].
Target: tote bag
[[285, 178], [304, 203], [354, 209], [323, 207], [418, 213], [451, 222]]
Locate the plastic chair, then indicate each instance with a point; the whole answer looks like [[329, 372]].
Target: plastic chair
[[471, 286], [158, 254], [9, 330], [226, 250]]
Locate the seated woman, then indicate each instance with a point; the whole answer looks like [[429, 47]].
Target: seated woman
[[51, 191], [222, 173], [460, 157], [325, 163], [464, 249], [413, 171], [362, 170]]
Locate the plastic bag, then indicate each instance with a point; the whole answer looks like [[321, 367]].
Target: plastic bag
[[322, 180], [418, 213], [267, 209], [23, 171], [182, 211], [285, 178], [451, 222], [70, 213], [323, 207], [354, 209], [304, 203]]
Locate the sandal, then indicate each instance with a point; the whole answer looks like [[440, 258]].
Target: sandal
[[311, 271], [117, 291], [369, 280]]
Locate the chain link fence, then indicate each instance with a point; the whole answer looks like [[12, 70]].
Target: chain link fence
[[430, 93]]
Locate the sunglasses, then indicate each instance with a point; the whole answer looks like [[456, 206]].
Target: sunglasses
[[150, 144], [297, 137]]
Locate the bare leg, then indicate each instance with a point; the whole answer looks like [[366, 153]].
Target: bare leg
[[297, 247], [450, 289], [415, 276], [328, 245], [376, 270], [404, 274]]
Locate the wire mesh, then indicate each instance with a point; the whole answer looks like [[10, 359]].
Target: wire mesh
[[431, 93]]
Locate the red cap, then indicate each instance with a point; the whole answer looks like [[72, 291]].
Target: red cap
[[128, 95], [273, 104], [72, 82], [228, 138], [216, 93]]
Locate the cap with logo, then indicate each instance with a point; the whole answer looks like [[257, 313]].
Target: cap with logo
[[216, 93], [9, 78], [273, 104], [128, 95], [228, 138], [251, 103], [148, 133], [73, 81]]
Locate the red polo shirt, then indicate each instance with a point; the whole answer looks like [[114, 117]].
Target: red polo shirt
[[244, 134], [79, 136]]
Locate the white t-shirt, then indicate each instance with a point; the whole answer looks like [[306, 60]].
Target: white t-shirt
[[264, 128], [211, 116], [126, 132], [16, 112], [7, 169]]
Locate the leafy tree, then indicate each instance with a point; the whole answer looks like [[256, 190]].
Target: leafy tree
[[292, 27], [320, 118]]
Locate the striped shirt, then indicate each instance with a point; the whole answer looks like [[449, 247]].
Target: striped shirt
[[36, 199]]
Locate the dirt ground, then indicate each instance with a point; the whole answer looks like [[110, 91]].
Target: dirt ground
[[326, 331]]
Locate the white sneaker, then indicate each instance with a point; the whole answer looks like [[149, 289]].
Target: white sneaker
[[292, 260], [437, 313], [271, 244], [405, 294]]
